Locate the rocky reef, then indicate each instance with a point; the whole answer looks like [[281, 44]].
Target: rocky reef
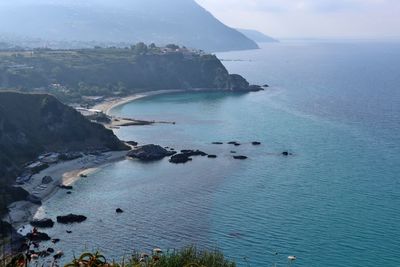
[[149, 153]]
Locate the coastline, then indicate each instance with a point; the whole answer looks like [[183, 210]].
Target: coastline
[[109, 104], [64, 173]]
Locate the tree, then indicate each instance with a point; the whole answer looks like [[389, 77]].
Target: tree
[[140, 48]]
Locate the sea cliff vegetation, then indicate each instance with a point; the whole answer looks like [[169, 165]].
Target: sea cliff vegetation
[[32, 124], [187, 257], [73, 75]]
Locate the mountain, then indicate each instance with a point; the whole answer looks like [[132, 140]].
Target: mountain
[[257, 36], [54, 22]]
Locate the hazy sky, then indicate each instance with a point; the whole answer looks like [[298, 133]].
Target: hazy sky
[[311, 18]]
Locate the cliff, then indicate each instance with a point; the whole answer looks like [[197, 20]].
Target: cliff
[[31, 124], [71, 74]]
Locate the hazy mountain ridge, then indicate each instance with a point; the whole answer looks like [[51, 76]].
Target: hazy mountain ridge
[[178, 21], [258, 36]]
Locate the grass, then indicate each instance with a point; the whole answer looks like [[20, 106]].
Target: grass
[[187, 257]]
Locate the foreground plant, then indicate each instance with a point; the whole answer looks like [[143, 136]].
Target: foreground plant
[[189, 257]]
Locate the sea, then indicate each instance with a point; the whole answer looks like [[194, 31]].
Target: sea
[[335, 201]]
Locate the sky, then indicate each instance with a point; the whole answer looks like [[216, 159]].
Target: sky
[[363, 19]]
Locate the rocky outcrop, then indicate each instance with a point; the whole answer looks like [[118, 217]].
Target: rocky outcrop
[[256, 143], [234, 143], [150, 153], [180, 158], [132, 143], [71, 218], [66, 187], [43, 223], [37, 236], [240, 157], [191, 153], [47, 180], [119, 210], [255, 88], [212, 156], [34, 199]]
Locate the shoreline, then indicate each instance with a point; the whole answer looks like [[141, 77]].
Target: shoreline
[[63, 173], [107, 105], [66, 173]]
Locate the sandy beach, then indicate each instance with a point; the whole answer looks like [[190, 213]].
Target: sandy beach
[[108, 104], [63, 173], [66, 173]]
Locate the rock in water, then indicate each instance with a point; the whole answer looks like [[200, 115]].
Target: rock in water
[[67, 187], [217, 143], [212, 156], [255, 88], [71, 218], [234, 143], [256, 143], [47, 180], [180, 158], [119, 210], [38, 236], [190, 152], [149, 153], [43, 223], [239, 157], [132, 143]]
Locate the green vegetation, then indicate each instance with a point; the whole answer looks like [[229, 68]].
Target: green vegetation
[[72, 74], [31, 124], [188, 257]]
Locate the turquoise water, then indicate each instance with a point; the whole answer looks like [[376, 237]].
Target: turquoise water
[[335, 202]]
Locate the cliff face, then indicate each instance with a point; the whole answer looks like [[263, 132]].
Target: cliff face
[[68, 22], [35, 123], [111, 71], [31, 124]]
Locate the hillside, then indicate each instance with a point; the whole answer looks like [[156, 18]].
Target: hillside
[[73, 74], [31, 124], [65, 23], [257, 36]]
